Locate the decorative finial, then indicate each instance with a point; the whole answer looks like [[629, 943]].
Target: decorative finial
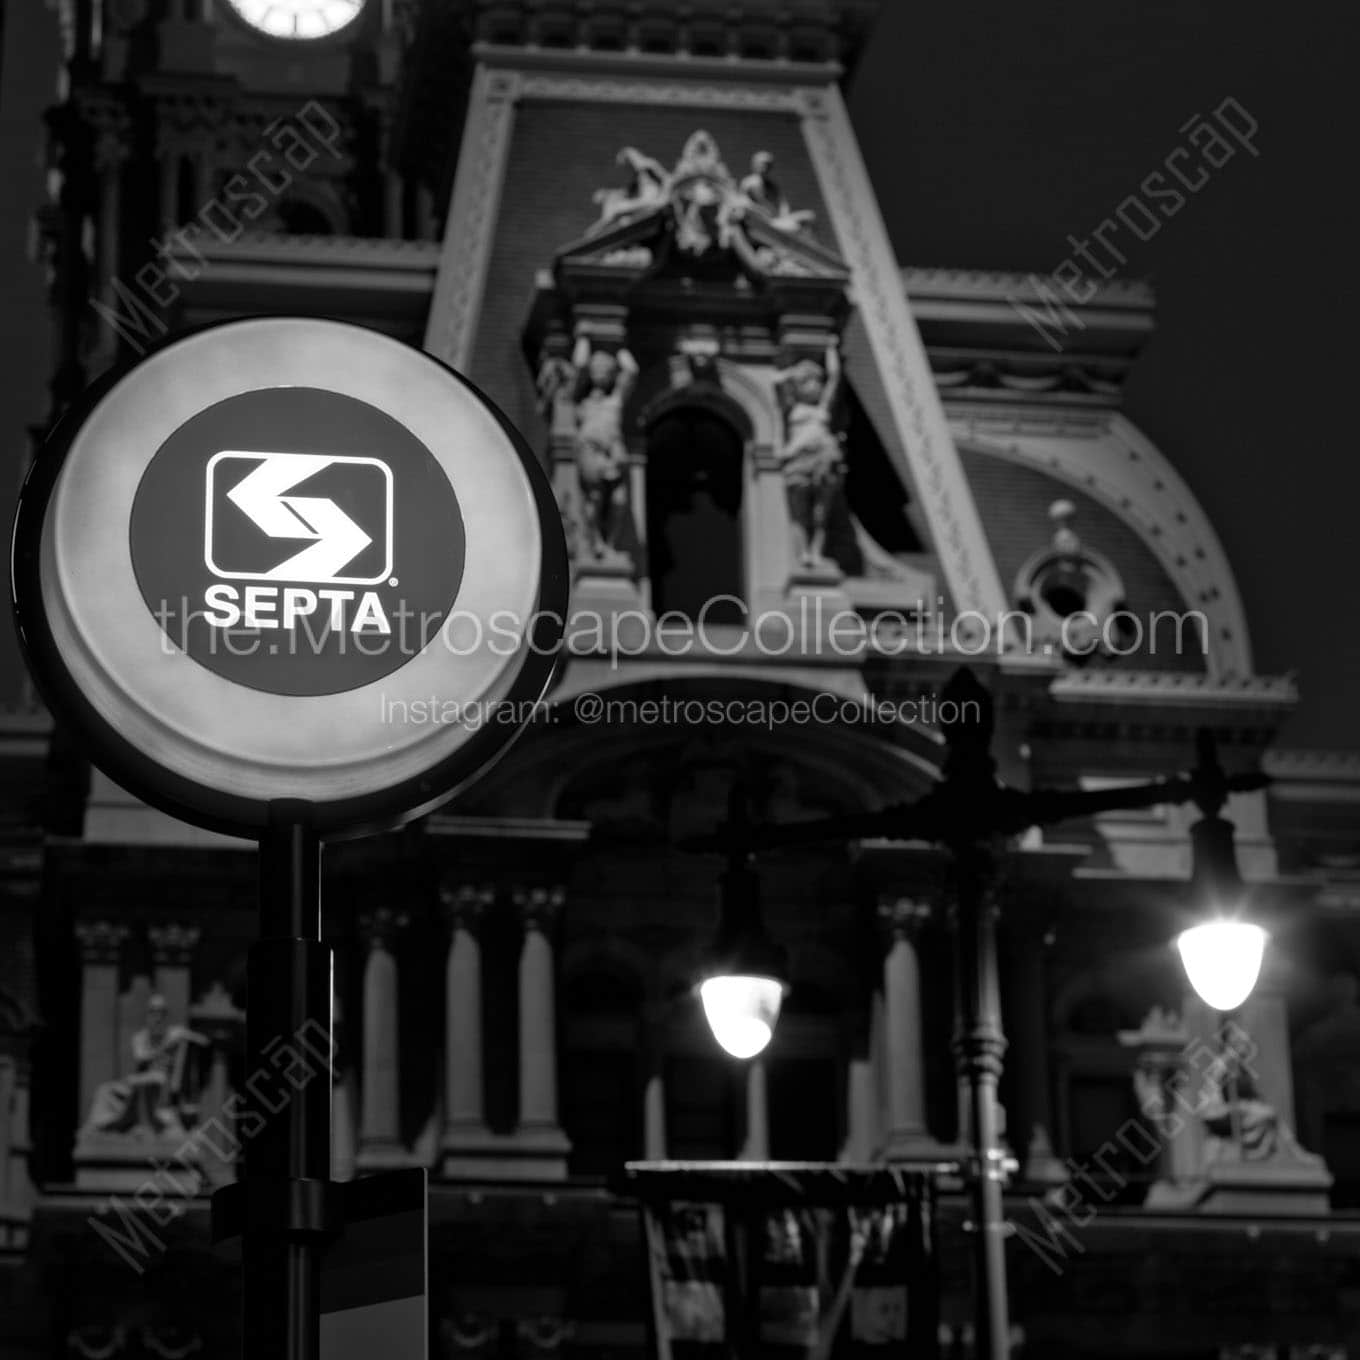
[[1065, 539]]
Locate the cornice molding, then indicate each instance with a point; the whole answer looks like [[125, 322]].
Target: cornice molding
[[753, 34], [1175, 688], [681, 92], [1297, 763], [988, 285], [343, 250], [666, 66], [992, 337]]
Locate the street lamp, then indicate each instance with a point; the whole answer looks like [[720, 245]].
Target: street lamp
[[1222, 960], [745, 973], [973, 816], [1222, 956]]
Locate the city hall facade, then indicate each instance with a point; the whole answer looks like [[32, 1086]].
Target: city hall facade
[[802, 481]]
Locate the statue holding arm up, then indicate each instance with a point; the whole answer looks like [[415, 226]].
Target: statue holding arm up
[[810, 456], [603, 382]]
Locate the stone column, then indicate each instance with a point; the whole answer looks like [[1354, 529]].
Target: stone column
[[172, 952], [101, 945], [343, 1150], [538, 1135], [380, 1118], [464, 1113], [756, 1147], [654, 1090], [905, 1136], [862, 1130], [1024, 959]]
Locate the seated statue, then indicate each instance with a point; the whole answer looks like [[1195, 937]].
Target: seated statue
[[1241, 1125], [151, 1096]]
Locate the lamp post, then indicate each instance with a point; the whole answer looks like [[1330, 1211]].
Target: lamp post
[[974, 816], [745, 975]]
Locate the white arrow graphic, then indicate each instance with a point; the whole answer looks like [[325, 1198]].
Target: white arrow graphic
[[336, 540]]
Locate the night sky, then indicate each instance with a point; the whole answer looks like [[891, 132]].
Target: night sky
[[994, 130]]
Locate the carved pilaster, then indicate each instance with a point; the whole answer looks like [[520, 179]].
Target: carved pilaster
[[538, 1131], [901, 920], [172, 952], [101, 946], [465, 906], [101, 942], [380, 1126]]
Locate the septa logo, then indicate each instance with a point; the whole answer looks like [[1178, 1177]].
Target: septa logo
[[260, 502], [323, 549]]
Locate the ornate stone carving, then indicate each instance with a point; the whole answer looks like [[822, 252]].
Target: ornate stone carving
[[902, 918], [707, 208], [810, 456], [539, 907], [1241, 1125], [465, 904], [648, 187], [1073, 594], [100, 941], [150, 1098], [763, 192], [379, 927], [1111, 461], [601, 381], [173, 944]]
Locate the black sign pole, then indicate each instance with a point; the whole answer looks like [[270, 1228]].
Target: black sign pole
[[135, 513], [289, 1201]]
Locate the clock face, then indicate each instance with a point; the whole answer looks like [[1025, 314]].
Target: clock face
[[298, 18]]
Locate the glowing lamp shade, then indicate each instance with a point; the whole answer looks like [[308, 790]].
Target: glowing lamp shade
[[742, 1011], [1223, 960]]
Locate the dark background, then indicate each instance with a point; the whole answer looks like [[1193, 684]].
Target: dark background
[[991, 131]]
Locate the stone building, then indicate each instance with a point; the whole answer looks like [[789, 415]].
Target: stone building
[[647, 225]]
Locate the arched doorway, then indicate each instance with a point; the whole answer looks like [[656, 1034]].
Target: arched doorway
[[694, 488]]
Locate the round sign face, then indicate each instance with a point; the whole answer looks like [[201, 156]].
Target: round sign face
[[285, 559]]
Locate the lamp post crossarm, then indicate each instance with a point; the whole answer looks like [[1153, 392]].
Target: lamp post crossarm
[[1043, 807], [900, 821], [958, 811]]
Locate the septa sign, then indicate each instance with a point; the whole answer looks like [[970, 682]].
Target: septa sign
[[236, 559], [312, 565]]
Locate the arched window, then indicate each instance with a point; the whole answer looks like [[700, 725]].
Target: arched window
[[694, 486]]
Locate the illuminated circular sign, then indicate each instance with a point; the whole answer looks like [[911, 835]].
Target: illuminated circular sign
[[290, 559]]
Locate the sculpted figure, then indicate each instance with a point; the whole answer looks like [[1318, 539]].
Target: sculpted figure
[[149, 1096], [761, 189], [647, 187], [810, 455], [1240, 1123], [603, 382]]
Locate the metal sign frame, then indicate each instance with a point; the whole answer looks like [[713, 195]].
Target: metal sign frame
[[235, 811]]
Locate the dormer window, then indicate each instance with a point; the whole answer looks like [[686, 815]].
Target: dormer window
[[1074, 595]]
